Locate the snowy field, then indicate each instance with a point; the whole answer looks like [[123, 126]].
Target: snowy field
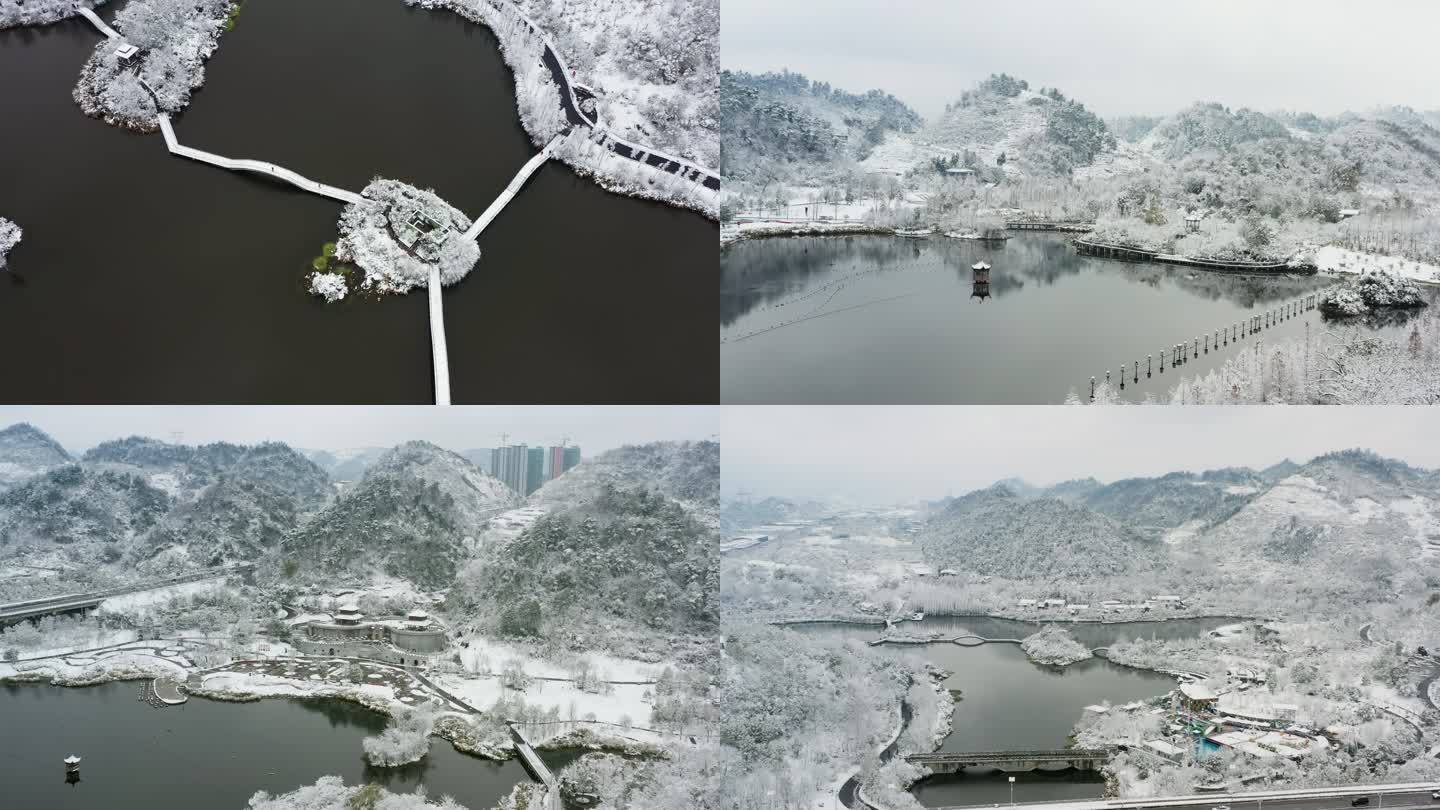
[[141, 602], [1340, 260]]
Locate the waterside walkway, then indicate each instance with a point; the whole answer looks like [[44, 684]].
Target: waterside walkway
[[257, 166]]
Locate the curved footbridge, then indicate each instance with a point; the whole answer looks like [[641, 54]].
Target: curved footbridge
[[1409, 794], [1085, 759], [259, 167]]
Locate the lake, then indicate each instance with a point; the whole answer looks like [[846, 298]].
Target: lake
[[207, 753], [1008, 703], [145, 277], [879, 319]]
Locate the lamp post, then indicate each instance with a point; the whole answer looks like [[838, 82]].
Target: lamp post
[[1012, 790]]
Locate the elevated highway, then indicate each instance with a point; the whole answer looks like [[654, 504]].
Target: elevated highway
[[85, 602]]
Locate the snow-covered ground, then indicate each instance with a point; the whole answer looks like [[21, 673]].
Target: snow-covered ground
[[486, 655], [1341, 260], [653, 65], [140, 602]]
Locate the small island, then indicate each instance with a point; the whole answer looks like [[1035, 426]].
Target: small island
[[398, 235], [10, 235], [1054, 646], [1359, 296]]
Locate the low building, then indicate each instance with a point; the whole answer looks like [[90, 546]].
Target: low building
[[1054, 603], [1197, 697], [1165, 750], [1026, 603]]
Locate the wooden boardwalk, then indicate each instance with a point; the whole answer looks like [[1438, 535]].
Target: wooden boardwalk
[[100, 24], [256, 166], [511, 190], [439, 354]]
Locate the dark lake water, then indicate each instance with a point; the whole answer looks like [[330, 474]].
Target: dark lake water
[[207, 753], [863, 319], [1010, 703], [145, 277]]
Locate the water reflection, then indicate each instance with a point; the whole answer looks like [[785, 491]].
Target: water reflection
[[343, 714], [764, 272], [871, 319]]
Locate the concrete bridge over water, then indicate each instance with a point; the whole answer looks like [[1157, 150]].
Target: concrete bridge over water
[[1085, 759]]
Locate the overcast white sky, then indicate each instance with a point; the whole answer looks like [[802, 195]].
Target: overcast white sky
[[891, 454], [594, 428], [1117, 57]]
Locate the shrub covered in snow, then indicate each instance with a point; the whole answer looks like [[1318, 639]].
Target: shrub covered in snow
[[10, 235], [1356, 367], [330, 793], [330, 286], [1055, 646], [406, 740], [368, 238], [175, 37], [14, 13], [1371, 291]]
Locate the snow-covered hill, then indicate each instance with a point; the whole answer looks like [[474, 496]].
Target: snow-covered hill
[[996, 532], [407, 517], [687, 472], [93, 513], [27, 451]]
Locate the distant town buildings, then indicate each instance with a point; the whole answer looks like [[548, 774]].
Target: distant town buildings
[[525, 469]]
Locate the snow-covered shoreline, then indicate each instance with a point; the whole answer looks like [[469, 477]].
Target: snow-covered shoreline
[[762, 230], [522, 45], [10, 236]]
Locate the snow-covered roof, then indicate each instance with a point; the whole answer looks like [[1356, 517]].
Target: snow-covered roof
[[1197, 691], [126, 51], [417, 615], [72, 760], [1163, 748], [980, 266]]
